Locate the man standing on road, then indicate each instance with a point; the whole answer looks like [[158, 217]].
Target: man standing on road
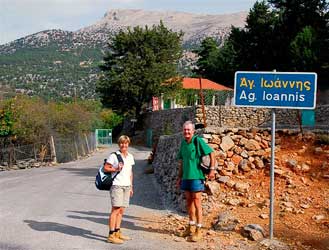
[[191, 178], [122, 188]]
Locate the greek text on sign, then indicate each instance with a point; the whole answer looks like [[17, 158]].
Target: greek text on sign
[[296, 90]]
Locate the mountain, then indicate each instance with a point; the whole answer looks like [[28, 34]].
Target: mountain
[[57, 63]]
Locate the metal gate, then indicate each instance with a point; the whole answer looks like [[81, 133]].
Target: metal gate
[[103, 137]]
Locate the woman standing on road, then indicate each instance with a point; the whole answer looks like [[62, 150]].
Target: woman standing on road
[[122, 188]]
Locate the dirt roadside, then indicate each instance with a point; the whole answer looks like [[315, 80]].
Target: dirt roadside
[[301, 208]]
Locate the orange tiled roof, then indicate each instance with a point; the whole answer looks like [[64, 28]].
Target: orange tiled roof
[[194, 83]]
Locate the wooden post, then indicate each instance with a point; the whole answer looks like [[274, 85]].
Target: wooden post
[[76, 148], [86, 139], [53, 150], [202, 104], [81, 144], [34, 152]]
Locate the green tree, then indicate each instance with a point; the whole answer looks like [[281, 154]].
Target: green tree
[[304, 51], [207, 63], [279, 34], [259, 33], [7, 118], [109, 119], [303, 28], [138, 61]]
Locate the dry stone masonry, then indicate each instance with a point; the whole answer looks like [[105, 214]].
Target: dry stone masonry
[[237, 151], [168, 122]]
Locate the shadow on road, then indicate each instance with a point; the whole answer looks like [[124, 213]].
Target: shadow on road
[[82, 171], [65, 229], [129, 222]]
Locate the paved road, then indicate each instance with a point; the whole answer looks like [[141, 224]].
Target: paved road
[[60, 208]]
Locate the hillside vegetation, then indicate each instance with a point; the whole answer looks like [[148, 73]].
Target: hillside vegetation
[[54, 64]]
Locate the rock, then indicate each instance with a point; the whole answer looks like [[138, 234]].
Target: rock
[[229, 153], [245, 165], [253, 232], [287, 204], [229, 165], [244, 154], [236, 159], [263, 216], [221, 154], [252, 145], [241, 187], [227, 143], [318, 150], [213, 187], [233, 202], [258, 162], [279, 172], [237, 150], [303, 179], [292, 163], [243, 141], [305, 167], [225, 173], [273, 245], [225, 222], [264, 204], [215, 139], [318, 217], [223, 179], [230, 183]]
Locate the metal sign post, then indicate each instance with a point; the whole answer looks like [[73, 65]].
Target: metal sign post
[[292, 90], [272, 175]]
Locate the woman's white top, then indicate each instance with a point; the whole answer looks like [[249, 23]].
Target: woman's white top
[[123, 178]]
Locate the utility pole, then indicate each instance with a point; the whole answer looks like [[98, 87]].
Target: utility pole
[[202, 103]]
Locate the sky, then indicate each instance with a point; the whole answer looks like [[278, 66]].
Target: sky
[[19, 18]]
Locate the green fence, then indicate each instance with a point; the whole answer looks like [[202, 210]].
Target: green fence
[[149, 138], [103, 137]]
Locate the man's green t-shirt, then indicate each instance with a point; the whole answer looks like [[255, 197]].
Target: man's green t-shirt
[[188, 154]]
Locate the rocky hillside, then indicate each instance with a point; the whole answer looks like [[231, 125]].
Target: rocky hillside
[[236, 205], [195, 26], [56, 63]]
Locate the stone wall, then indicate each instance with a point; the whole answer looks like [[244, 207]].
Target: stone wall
[[236, 150], [230, 116], [166, 169], [322, 114], [168, 122]]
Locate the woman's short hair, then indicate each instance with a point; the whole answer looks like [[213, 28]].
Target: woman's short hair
[[124, 139]]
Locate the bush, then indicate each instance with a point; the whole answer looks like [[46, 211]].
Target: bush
[[31, 120]]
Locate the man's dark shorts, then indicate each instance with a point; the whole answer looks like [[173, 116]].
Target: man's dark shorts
[[192, 185]]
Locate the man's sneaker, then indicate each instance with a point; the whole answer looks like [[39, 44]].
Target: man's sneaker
[[190, 229], [114, 239], [197, 236], [121, 236]]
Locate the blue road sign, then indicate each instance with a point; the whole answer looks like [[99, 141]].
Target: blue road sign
[[295, 90]]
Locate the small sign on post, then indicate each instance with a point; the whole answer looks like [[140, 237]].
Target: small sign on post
[[292, 90]]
